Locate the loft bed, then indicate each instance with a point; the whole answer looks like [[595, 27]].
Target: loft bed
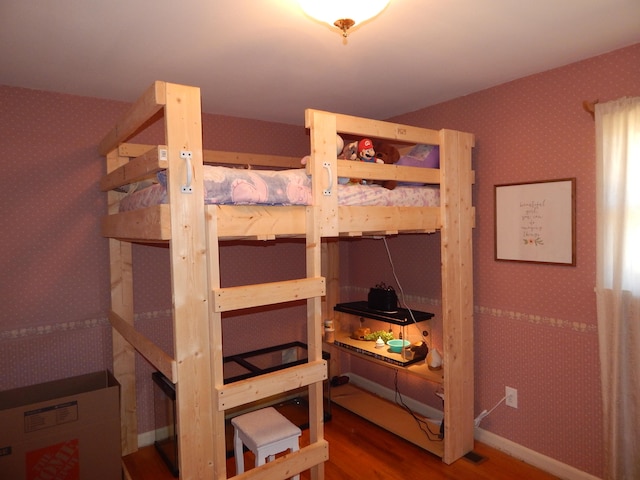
[[194, 231]]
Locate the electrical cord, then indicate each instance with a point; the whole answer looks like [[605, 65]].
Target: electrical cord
[[402, 296], [484, 414], [422, 424]]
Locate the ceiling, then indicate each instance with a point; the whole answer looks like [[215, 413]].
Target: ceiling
[[265, 59]]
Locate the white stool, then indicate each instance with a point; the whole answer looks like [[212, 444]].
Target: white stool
[[265, 432]]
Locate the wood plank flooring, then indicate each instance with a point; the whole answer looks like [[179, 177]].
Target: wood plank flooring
[[358, 450]]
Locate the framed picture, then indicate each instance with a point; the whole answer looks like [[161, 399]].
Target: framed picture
[[536, 222]]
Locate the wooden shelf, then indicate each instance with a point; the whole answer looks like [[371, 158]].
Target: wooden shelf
[[402, 316], [368, 351], [389, 416]]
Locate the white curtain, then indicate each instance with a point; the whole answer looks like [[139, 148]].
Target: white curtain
[[618, 282]]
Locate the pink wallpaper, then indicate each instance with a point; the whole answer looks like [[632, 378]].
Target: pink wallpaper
[[54, 281], [535, 324], [54, 272]]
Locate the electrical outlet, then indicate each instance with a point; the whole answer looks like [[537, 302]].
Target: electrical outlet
[[512, 397]]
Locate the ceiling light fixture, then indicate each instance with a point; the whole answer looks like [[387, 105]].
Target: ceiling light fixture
[[343, 14]]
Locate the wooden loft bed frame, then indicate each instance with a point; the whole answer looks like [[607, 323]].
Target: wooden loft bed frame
[[194, 230]]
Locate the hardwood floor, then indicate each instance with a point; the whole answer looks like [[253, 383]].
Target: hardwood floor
[[358, 449]]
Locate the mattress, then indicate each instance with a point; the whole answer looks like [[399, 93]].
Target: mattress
[[231, 186]]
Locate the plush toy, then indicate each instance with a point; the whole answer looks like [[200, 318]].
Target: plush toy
[[366, 153], [388, 154], [339, 149], [359, 151], [349, 152]]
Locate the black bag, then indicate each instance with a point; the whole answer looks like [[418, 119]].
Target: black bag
[[382, 297]]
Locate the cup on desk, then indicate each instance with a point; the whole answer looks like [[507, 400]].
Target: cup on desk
[[329, 335]]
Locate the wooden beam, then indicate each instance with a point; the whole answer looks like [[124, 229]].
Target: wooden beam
[[149, 350], [124, 355], [315, 219], [364, 127], [132, 150], [256, 388], [188, 259], [322, 166], [248, 296], [377, 220], [390, 416], [140, 113], [252, 159], [222, 157], [138, 168], [330, 269], [260, 222], [151, 223], [289, 464], [376, 171], [457, 292]]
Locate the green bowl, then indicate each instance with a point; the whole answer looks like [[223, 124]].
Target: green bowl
[[396, 344]]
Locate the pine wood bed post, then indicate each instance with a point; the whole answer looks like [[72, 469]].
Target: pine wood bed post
[[217, 359], [314, 337], [124, 356], [190, 285], [321, 222], [457, 291]]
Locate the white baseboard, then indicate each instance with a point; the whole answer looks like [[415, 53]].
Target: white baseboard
[[548, 464], [147, 438]]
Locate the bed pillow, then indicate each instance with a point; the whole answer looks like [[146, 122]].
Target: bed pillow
[[239, 186], [425, 156]]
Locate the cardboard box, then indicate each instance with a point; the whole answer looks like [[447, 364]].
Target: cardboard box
[[64, 430]]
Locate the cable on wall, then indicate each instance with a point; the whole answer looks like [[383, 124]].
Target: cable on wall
[[422, 424], [402, 295]]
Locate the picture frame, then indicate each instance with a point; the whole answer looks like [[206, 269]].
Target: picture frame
[[536, 222]]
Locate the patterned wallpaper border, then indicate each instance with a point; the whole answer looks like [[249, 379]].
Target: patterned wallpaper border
[[532, 318], [580, 327], [36, 331], [25, 332]]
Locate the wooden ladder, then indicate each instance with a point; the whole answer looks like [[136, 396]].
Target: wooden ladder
[[311, 374]]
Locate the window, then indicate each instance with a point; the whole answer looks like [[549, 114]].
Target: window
[[619, 195]]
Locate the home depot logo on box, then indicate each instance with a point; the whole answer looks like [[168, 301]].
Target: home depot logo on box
[[54, 462]]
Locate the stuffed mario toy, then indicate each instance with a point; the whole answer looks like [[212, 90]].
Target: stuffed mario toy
[[366, 153]]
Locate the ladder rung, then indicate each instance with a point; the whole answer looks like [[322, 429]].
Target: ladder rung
[[268, 384], [247, 296]]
